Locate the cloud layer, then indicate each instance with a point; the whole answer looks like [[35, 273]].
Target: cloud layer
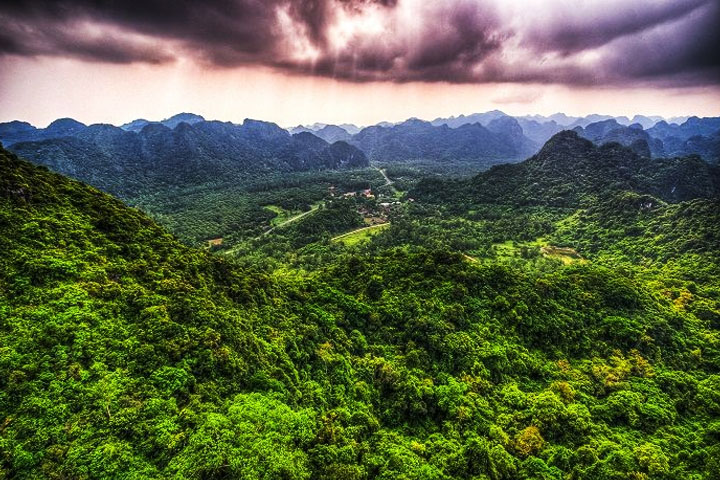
[[613, 42]]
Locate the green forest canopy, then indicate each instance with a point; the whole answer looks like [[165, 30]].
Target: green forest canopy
[[125, 354]]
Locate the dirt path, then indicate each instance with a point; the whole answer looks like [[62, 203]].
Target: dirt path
[[388, 182], [387, 179]]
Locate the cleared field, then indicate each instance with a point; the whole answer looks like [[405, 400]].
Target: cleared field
[[512, 249], [281, 214], [360, 235], [564, 254]]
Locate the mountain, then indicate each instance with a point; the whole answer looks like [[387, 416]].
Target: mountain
[[539, 128], [417, 141], [175, 120], [645, 121], [693, 136], [510, 131], [481, 118], [707, 146], [592, 118], [172, 122], [562, 119], [570, 171], [351, 128], [15, 131], [692, 127], [136, 125], [539, 132], [333, 133], [348, 128], [632, 136], [126, 162], [329, 133]]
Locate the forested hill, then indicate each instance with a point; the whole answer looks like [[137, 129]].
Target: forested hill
[[570, 171], [124, 354], [155, 156]]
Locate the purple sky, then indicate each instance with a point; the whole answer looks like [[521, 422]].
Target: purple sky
[[356, 60]]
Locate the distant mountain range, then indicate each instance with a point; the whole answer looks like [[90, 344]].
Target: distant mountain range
[[571, 171], [182, 150], [186, 149], [413, 140]]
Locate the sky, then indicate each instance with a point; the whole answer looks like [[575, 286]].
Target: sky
[[356, 61]]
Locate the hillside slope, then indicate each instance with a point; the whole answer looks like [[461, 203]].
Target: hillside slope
[[124, 354], [570, 171]]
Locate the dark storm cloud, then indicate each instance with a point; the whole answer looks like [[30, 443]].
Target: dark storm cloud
[[558, 41], [49, 38], [590, 25], [450, 37]]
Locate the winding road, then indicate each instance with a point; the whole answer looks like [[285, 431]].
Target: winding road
[[388, 182]]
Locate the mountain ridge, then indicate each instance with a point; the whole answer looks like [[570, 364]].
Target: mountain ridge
[[201, 151], [570, 171]]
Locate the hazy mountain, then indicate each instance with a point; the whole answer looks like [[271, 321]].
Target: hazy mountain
[[136, 125], [329, 133], [125, 162], [172, 122], [695, 135], [592, 118], [175, 120], [352, 129], [559, 118], [539, 132], [562, 119], [632, 136], [540, 128], [693, 126], [646, 121], [509, 129], [419, 141], [481, 118], [707, 146], [315, 128]]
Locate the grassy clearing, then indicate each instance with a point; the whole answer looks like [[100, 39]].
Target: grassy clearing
[[510, 249], [565, 255], [281, 215], [360, 235]]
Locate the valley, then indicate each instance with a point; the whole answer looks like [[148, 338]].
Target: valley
[[536, 319]]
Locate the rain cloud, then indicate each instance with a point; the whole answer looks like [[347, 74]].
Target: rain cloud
[[613, 42]]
